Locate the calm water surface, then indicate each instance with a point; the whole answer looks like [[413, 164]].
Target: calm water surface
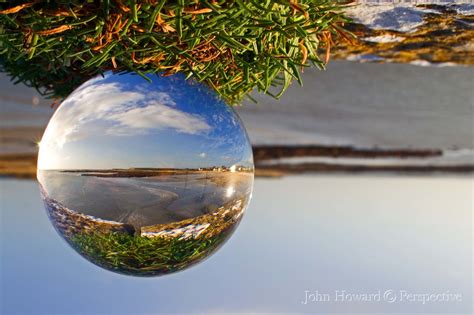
[[316, 233], [146, 200]]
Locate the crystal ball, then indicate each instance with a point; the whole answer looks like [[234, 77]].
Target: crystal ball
[[145, 177]]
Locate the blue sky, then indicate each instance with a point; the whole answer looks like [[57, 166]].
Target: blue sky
[[122, 121]]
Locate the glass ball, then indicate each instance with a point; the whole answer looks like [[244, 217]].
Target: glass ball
[[145, 178]]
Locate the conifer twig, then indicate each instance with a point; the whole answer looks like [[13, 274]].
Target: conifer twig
[[233, 46]]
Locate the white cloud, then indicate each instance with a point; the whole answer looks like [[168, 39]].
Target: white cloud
[[98, 108], [140, 120], [87, 104], [114, 111]]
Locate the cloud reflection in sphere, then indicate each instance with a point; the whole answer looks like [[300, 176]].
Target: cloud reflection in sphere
[[145, 178]]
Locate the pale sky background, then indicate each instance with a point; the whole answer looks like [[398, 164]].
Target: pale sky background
[[122, 121], [320, 233]]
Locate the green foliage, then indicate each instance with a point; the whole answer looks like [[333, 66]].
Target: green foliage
[[231, 45], [143, 256]]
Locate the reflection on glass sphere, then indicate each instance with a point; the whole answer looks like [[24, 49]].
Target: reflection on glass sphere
[[145, 178]]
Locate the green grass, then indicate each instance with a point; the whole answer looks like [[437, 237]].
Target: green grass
[[232, 46], [142, 256]]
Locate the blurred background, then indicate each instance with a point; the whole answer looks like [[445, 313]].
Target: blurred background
[[318, 222], [362, 202]]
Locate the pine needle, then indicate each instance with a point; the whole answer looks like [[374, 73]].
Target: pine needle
[[232, 46]]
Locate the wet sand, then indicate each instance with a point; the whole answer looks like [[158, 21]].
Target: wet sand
[[144, 201]]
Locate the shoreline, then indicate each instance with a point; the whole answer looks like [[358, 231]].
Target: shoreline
[[23, 165]]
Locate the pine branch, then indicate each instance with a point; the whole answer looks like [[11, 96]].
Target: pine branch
[[233, 46]]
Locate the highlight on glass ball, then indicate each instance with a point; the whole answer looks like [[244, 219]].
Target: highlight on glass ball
[[145, 178]]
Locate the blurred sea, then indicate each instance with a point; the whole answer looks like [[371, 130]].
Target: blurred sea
[[361, 105]]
